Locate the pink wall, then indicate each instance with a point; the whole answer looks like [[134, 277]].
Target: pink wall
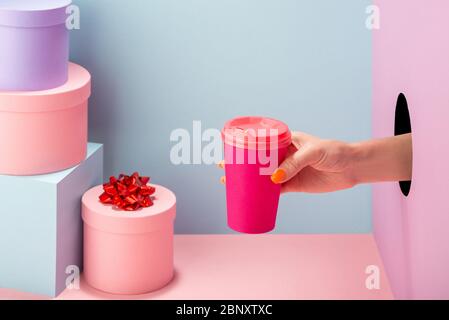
[[411, 55]]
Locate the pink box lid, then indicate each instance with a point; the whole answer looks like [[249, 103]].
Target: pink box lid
[[109, 219], [74, 92], [33, 13]]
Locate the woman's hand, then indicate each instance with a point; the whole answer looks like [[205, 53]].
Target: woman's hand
[[315, 165]]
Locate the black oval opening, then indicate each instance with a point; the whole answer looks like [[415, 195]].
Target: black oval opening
[[402, 125]]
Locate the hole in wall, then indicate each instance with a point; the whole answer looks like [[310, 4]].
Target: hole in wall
[[402, 125]]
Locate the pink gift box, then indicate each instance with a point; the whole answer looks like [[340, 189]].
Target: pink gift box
[[45, 131], [128, 252]]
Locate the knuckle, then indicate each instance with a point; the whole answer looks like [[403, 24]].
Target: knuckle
[[290, 165]]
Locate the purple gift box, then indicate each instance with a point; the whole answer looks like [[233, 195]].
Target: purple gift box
[[34, 44]]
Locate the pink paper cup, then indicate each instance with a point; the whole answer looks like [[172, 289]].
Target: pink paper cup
[[253, 147]]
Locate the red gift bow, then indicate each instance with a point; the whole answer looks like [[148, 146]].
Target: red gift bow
[[128, 193]]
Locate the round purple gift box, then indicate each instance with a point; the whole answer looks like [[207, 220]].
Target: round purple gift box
[[34, 44]]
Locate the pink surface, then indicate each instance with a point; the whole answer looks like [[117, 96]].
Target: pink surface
[[128, 252], [45, 131], [263, 267], [411, 56]]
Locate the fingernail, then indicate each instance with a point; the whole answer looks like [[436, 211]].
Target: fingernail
[[223, 180], [221, 164], [278, 176]]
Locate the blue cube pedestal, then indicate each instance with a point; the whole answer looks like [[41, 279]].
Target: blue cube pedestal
[[41, 226]]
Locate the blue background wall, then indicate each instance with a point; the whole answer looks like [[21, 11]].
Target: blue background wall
[[159, 65]]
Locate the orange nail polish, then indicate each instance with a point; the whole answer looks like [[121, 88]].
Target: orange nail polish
[[278, 176], [223, 180]]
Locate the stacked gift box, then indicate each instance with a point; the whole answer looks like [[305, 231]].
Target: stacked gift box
[[46, 163]]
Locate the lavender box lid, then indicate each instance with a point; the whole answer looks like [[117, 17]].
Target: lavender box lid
[[33, 13]]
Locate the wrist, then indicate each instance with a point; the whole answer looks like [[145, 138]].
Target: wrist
[[356, 154]]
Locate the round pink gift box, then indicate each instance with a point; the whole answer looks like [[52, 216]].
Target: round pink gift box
[[45, 131], [34, 44], [128, 252]]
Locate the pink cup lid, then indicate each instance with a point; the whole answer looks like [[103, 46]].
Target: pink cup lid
[[108, 219], [33, 13], [256, 133]]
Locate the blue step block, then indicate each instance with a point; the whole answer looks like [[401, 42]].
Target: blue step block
[[41, 227]]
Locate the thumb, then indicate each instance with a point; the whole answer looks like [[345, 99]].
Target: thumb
[[294, 163]]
